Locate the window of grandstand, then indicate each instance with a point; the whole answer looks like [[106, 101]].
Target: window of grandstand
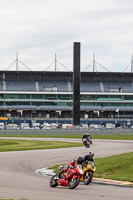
[[1, 96], [36, 96], [50, 89], [23, 96], [50, 96], [1, 103], [11, 96], [64, 96]]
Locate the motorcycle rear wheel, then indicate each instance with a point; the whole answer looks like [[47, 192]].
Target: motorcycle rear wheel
[[53, 182], [87, 145], [87, 178], [73, 183]]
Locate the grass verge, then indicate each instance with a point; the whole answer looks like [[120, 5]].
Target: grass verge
[[119, 167], [109, 137], [113, 137], [21, 145]]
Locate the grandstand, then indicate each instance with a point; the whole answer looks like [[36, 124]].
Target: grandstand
[[49, 95]]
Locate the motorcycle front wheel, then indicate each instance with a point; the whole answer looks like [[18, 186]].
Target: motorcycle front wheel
[[73, 183], [53, 182], [87, 178]]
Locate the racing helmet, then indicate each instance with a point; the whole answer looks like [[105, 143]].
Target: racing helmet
[[91, 153], [84, 133], [72, 163], [80, 160], [88, 134]]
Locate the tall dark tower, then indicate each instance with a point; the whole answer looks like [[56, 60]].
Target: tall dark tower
[[76, 84]]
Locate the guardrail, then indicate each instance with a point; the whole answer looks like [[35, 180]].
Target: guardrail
[[71, 119]]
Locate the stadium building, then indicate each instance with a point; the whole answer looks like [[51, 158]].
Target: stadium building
[[49, 95]]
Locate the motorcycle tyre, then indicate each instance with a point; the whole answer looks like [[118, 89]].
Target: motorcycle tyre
[[51, 180], [75, 184], [86, 145], [89, 178]]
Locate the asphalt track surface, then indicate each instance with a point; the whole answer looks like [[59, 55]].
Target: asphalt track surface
[[18, 179]]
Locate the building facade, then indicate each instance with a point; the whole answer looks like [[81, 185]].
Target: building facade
[[34, 94]]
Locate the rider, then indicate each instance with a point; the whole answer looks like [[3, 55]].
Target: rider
[[71, 164], [87, 136], [80, 160], [89, 156]]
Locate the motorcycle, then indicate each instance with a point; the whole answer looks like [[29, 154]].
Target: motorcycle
[[86, 143], [88, 170], [69, 176]]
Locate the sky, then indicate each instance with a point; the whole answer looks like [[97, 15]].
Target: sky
[[39, 29]]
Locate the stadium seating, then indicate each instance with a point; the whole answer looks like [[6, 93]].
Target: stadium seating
[[126, 87], [66, 86], [53, 86], [19, 85], [89, 86]]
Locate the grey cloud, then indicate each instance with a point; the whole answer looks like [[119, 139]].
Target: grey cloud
[[39, 29]]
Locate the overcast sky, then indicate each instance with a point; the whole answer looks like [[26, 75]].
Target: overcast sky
[[37, 29]]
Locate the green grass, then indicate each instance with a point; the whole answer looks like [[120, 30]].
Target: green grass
[[55, 168], [21, 145], [113, 137], [110, 137], [119, 167]]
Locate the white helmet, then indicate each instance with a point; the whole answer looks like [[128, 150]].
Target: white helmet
[[85, 134], [91, 153], [88, 134]]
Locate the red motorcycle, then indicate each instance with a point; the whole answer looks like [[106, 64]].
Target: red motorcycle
[[68, 176]]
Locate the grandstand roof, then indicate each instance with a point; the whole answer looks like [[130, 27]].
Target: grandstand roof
[[52, 75]]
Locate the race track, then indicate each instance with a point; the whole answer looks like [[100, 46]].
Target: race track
[[18, 178]]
